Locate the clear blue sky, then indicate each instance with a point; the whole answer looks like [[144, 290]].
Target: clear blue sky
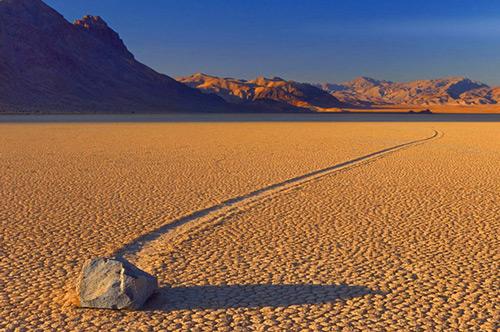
[[307, 40]]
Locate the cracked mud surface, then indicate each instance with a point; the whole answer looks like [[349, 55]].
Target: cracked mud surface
[[407, 241]]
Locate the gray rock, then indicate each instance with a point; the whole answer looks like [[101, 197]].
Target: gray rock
[[107, 283]]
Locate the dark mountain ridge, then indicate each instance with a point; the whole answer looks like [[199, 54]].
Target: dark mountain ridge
[[48, 64]]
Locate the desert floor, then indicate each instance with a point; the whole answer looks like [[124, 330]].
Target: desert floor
[[325, 226]]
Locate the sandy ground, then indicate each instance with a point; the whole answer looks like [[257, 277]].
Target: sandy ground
[[385, 236]]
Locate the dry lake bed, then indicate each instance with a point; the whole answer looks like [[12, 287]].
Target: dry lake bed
[[351, 223]]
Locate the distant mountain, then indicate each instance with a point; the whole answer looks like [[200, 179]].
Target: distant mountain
[[48, 64], [366, 91], [271, 92], [481, 96]]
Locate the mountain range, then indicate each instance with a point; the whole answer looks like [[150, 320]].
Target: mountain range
[[443, 91], [362, 92], [48, 64], [271, 91]]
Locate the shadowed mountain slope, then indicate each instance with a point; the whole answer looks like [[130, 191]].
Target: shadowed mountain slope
[[48, 64]]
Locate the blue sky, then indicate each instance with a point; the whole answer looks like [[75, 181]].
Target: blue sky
[[307, 40]]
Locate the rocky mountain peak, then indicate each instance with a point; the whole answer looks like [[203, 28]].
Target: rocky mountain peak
[[91, 22], [202, 76], [264, 81], [365, 82], [461, 85], [97, 27]]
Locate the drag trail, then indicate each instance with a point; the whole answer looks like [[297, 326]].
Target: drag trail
[[175, 232]]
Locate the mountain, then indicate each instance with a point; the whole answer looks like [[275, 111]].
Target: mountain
[[272, 92], [364, 91], [481, 96], [48, 64]]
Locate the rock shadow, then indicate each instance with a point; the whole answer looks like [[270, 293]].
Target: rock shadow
[[252, 296]]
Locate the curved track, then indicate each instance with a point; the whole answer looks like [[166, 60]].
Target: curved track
[[179, 229]]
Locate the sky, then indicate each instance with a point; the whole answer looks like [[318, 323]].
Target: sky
[[307, 40]]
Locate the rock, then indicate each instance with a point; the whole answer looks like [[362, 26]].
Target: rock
[[107, 283]]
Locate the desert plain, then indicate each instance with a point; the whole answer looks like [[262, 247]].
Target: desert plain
[[255, 225]]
